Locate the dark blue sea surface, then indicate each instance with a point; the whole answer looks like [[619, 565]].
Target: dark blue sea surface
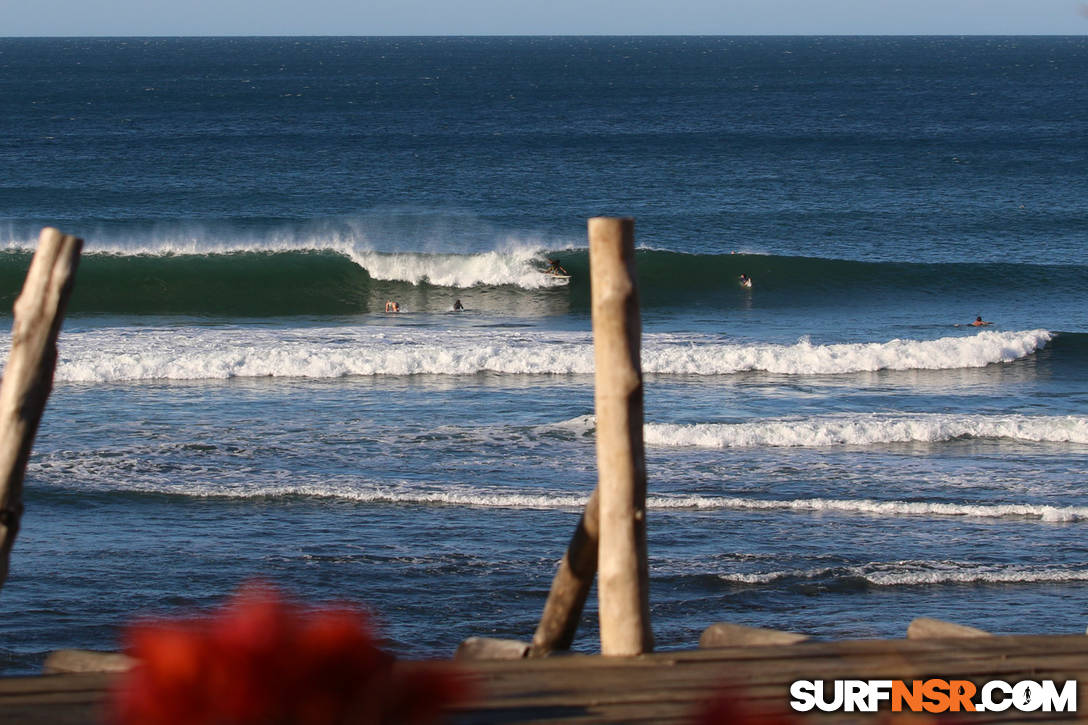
[[833, 450]]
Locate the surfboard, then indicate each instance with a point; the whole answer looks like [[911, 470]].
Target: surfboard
[[557, 279]]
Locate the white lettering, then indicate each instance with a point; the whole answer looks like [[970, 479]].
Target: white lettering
[[989, 704], [821, 700], [1027, 696], [803, 693], [993, 696], [1064, 701], [879, 690], [856, 697]]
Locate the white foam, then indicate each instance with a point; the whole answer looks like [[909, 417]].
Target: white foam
[[872, 507], [461, 498], [210, 482], [919, 573], [194, 239], [407, 494], [189, 353], [976, 575], [869, 429], [119, 354], [513, 261], [519, 267], [804, 358]]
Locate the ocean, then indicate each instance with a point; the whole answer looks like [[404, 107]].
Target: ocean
[[833, 451]]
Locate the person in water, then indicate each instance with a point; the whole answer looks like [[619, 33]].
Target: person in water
[[391, 306], [457, 306], [979, 322], [745, 280], [554, 268]]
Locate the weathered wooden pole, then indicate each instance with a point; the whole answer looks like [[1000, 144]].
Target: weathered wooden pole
[[28, 375], [570, 586], [622, 569]]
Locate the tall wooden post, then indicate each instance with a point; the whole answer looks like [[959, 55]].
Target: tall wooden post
[[623, 572], [28, 375]]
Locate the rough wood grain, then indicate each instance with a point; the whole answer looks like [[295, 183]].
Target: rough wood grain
[[28, 375], [622, 568], [668, 687]]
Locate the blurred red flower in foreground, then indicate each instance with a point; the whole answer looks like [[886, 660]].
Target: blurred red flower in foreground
[[262, 659]]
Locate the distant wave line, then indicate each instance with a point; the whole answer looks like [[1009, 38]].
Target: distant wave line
[[907, 574], [120, 354], [521, 500], [891, 509], [869, 429]]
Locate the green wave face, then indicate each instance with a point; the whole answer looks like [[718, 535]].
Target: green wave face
[[280, 283], [277, 283], [671, 273], [235, 283]]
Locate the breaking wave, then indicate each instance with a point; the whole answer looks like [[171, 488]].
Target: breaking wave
[[910, 574], [194, 353], [288, 273], [869, 429]]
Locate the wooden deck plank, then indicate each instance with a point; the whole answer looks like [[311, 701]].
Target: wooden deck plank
[[854, 650], [779, 670], [93, 682], [786, 671], [665, 687]]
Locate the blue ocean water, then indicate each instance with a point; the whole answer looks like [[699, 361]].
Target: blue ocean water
[[833, 450]]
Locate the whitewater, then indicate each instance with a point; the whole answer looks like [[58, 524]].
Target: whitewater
[[194, 353], [834, 450]]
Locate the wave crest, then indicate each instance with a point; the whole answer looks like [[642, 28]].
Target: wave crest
[[911, 574], [869, 429], [190, 353]]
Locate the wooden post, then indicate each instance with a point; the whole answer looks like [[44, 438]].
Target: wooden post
[[570, 587], [28, 376], [623, 572]]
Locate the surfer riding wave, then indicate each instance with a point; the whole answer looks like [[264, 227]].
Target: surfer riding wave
[[555, 269]]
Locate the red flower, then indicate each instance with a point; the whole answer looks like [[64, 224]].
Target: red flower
[[264, 660]]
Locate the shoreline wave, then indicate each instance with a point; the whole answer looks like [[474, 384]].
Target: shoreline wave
[[869, 429], [909, 574], [219, 353], [494, 499]]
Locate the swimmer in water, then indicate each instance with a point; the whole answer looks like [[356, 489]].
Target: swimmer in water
[[457, 306], [745, 280], [979, 322]]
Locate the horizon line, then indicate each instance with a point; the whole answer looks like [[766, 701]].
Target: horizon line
[[556, 35]]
